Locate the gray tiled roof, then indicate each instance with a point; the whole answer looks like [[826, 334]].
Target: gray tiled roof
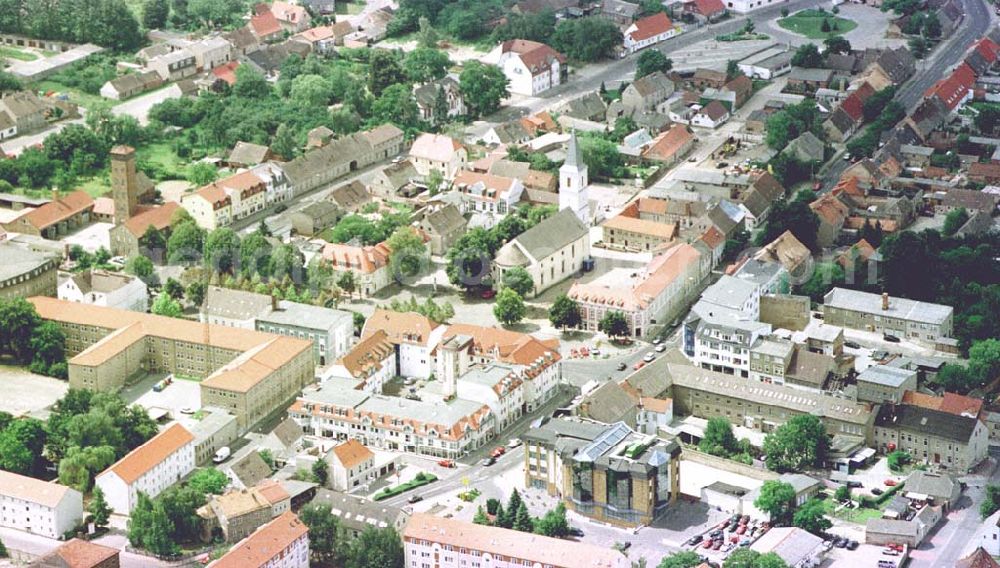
[[902, 308], [551, 235]]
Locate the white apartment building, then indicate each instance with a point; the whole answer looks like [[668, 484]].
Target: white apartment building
[[282, 543], [105, 288], [722, 327], [152, 467], [499, 386], [351, 465], [530, 67], [276, 185], [648, 31], [38, 507], [437, 542]]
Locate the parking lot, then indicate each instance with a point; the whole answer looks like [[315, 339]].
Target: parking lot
[[180, 394]]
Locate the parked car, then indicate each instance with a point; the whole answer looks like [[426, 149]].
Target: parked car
[[446, 463], [187, 410], [622, 366], [890, 338], [695, 539], [840, 542], [852, 344], [513, 443], [854, 484], [639, 365], [852, 545], [649, 357], [707, 543], [717, 545], [876, 491], [657, 341], [890, 482], [415, 498], [487, 294], [575, 531], [222, 455], [486, 462], [498, 451], [660, 348], [827, 544], [741, 529]]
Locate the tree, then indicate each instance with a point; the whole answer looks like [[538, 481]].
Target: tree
[[384, 71], [440, 115], [185, 243], [255, 255], [480, 517], [482, 87], [321, 472], [15, 456], [284, 143], [426, 64], [3, 550], [18, 320], [984, 360], [153, 239], [519, 280], [991, 503], [897, 459], [747, 558], [825, 277], [798, 444], [155, 14], [564, 312], [777, 499], [932, 26], [195, 292], [795, 216], [346, 282], [918, 47], [174, 289], [158, 539], [396, 105], [470, 258], [719, 439], [522, 520], [139, 520], [843, 493], [650, 61], [100, 511], [733, 70], [602, 157], [587, 39], [427, 36], [209, 480], [684, 559], [810, 517], [837, 44], [48, 343], [164, 305], [202, 173], [222, 250], [375, 548], [9, 83], [509, 307], [554, 522], [954, 220], [807, 55], [310, 90], [825, 26], [324, 530], [614, 324]]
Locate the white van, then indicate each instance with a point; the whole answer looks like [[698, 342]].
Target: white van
[[221, 455]]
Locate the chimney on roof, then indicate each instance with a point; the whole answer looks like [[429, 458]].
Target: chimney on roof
[[55, 195], [274, 303], [885, 301]]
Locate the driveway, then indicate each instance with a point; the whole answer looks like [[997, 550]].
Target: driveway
[[139, 106]]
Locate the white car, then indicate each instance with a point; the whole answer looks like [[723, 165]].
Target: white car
[[649, 357], [513, 443], [660, 348], [187, 410]]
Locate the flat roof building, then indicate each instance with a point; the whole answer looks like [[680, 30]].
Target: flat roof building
[[880, 313]]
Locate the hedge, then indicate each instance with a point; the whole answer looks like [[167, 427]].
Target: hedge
[[404, 487], [870, 503]]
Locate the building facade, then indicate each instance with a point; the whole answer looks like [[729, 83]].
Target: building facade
[[38, 507], [901, 317], [154, 466], [27, 273], [282, 543]]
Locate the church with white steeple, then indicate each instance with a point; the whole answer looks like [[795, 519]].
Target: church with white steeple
[[573, 182]]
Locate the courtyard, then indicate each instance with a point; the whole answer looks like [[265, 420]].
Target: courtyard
[[28, 394]]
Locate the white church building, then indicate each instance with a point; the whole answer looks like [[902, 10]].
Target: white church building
[[573, 183]]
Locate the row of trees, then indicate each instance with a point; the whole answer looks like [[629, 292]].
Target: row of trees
[[162, 524], [108, 23], [329, 543], [740, 558]]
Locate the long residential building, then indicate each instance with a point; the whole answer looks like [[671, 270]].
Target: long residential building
[[430, 541], [950, 441], [38, 507], [440, 429], [658, 293], [25, 273], [248, 373], [763, 406], [154, 466], [880, 313]]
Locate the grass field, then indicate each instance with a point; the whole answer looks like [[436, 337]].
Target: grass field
[[810, 22], [11, 53], [86, 100]]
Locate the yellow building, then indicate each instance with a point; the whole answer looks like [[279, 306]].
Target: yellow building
[[210, 207], [249, 373]]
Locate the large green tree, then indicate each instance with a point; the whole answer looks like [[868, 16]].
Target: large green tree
[[509, 307], [426, 64], [810, 516], [18, 320], [384, 71], [650, 61], [614, 324], [777, 499], [482, 87], [324, 531], [375, 548], [564, 312], [222, 250], [795, 216], [798, 444], [587, 39], [519, 280], [683, 559]]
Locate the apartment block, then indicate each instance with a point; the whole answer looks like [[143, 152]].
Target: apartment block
[[152, 467], [38, 507], [282, 543]]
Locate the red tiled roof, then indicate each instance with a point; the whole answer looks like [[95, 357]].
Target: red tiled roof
[[953, 89], [227, 72], [651, 26], [78, 553], [988, 49], [708, 8], [158, 217], [264, 24], [537, 57], [854, 104], [151, 454], [666, 145], [266, 544], [59, 210]]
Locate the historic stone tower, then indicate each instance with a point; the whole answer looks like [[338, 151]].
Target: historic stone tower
[[573, 182], [124, 184]]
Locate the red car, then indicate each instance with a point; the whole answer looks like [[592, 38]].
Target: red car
[[742, 529], [890, 482], [734, 539], [498, 451], [708, 544], [446, 463], [639, 365], [487, 294]]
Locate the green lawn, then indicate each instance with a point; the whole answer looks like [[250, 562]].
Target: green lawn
[[86, 100], [11, 53], [859, 515], [95, 186], [810, 22]]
